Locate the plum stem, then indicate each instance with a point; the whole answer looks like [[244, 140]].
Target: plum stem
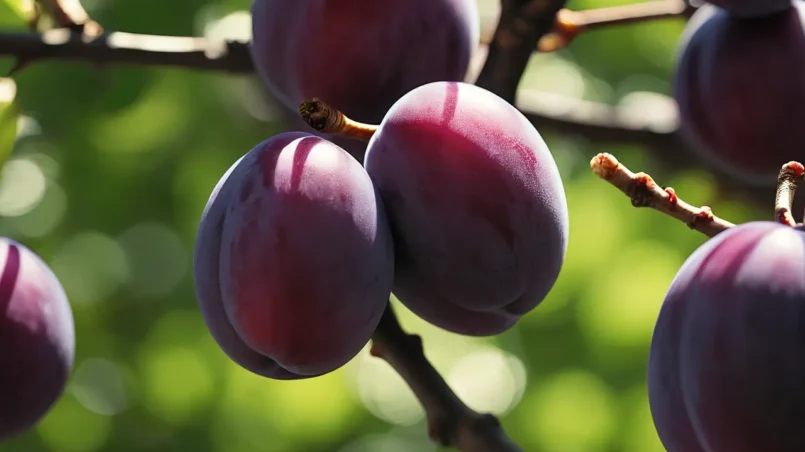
[[451, 423], [791, 175], [569, 24], [324, 118], [644, 192]]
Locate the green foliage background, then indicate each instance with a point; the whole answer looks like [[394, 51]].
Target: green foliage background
[[107, 179]]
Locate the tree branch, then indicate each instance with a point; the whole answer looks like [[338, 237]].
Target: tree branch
[[451, 423], [570, 24], [789, 179], [128, 48], [655, 129], [644, 192], [522, 24]]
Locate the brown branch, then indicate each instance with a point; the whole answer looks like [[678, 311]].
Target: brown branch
[[128, 48], [522, 23], [569, 24], [654, 129], [451, 423], [644, 192], [791, 175], [568, 115]]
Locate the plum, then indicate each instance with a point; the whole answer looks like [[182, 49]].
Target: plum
[[726, 371], [475, 204], [294, 260], [37, 339], [360, 55], [739, 85], [752, 8]]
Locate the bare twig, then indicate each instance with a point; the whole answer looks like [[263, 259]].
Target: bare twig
[[791, 175], [644, 192], [570, 24], [451, 423], [129, 48]]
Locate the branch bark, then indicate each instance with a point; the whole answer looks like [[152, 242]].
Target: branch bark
[[128, 48], [451, 423], [522, 24], [570, 24], [645, 192]]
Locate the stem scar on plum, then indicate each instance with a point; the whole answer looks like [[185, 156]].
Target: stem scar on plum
[[322, 117], [791, 175]]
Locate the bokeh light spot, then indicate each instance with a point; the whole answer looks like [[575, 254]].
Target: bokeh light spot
[[91, 266], [489, 380], [157, 258], [99, 386], [22, 187]]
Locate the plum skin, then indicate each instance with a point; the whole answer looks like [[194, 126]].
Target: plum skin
[[738, 84], [37, 339], [293, 260], [360, 55], [476, 207], [725, 368], [750, 9]]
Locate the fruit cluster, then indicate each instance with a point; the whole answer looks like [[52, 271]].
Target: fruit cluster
[[458, 209], [300, 246]]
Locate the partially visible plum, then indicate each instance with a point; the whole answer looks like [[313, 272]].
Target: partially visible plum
[[739, 84], [360, 55], [37, 339]]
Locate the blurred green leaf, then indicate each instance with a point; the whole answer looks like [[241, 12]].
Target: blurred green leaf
[[14, 14], [9, 115]]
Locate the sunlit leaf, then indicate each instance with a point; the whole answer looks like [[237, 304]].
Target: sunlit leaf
[[15, 14], [9, 114]]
